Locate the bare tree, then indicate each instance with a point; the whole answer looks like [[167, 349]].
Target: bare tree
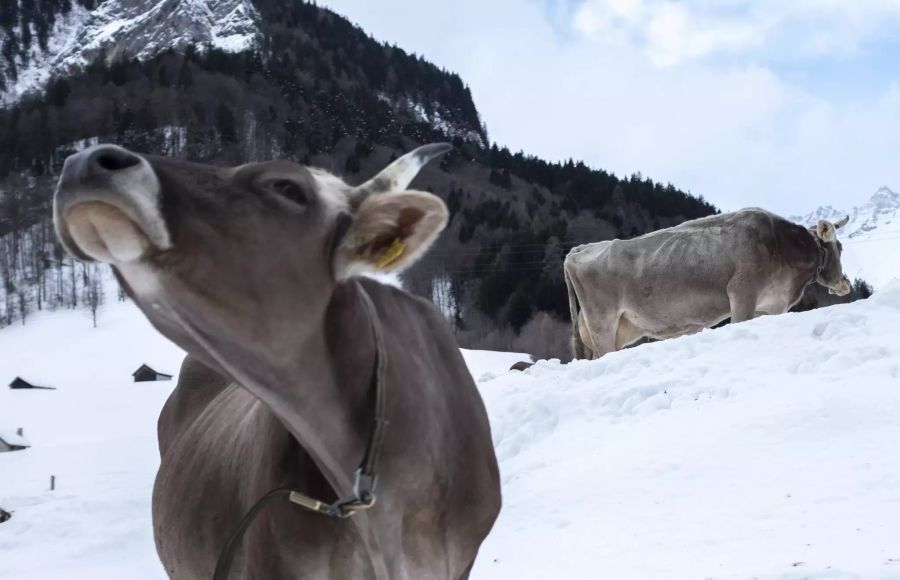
[[93, 290], [74, 281], [22, 294]]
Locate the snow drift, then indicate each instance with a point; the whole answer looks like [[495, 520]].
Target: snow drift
[[768, 449]]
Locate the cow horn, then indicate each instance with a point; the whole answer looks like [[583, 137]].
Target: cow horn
[[398, 175], [841, 223]]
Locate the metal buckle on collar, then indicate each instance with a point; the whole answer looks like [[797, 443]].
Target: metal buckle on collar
[[362, 499], [363, 496]]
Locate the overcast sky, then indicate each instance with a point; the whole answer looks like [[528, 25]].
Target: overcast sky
[[784, 104]]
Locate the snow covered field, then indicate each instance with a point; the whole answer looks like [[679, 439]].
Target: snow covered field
[[769, 449], [95, 433]]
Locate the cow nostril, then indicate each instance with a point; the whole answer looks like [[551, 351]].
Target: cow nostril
[[114, 159]]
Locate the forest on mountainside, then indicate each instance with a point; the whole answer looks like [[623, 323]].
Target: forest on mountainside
[[320, 91]]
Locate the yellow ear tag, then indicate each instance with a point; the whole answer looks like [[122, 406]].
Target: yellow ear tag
[[394, 251]]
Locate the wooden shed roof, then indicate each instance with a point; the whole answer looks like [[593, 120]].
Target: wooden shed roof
[[146, 367], [20, 383]]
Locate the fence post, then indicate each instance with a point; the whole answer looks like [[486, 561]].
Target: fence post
[[52, 482]]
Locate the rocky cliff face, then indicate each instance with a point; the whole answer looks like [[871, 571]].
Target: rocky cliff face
[[232, 81], [117, 28]]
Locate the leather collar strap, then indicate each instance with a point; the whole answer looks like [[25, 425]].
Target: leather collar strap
[[363, 496], [820, 245]]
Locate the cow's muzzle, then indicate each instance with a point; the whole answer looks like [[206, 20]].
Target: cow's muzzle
[[106, 206], [841, 289]]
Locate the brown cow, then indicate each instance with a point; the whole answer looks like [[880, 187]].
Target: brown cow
[[692, 276], [251, 270]]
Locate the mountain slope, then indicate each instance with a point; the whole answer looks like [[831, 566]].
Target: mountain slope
[[132, 28], [768, 449], [316, 89], [871, 238]]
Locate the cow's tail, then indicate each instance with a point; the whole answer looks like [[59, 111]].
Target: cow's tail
[[579, 350]]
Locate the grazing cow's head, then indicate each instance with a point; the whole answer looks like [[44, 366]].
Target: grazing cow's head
[[252, 252], [831, 274]]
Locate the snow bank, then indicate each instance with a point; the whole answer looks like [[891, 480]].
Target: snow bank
[[769, 449], [95, 433]]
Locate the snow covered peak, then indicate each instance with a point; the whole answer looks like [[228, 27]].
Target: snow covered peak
[[881, 209], [884, 198], [825, 212], [871, 238], [137, 28], [143, 29]]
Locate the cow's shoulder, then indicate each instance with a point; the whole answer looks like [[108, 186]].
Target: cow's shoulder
[[399, 307], [416, 327], [794, 242], [432, 390], [198, 385], [754, 217], [744, 228], [774, 227], [774, 238]]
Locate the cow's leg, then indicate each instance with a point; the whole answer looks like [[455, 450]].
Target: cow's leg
[[775, 309], [743, 305], [627, 333], [584, 349], [603, 335]]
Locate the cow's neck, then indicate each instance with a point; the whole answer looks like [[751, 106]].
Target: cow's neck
[[819, 261], [323, 392], [323, 395], [317, 381], [803, 256]]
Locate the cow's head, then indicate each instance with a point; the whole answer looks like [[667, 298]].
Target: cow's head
[[831, 273], [252, 252]]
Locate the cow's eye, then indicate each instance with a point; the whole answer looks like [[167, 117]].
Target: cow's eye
[[289, 189]]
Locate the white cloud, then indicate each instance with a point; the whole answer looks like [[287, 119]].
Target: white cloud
[[672, 32], [669, 32], [737, 132]]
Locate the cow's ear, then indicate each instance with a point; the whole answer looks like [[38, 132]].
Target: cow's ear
[[825, 230], [390, 232]]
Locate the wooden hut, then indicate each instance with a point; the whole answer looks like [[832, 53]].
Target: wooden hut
[[20, 383], [145, 374], [10, 441]]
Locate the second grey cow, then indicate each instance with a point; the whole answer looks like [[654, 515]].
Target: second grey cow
[[682, 279]]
